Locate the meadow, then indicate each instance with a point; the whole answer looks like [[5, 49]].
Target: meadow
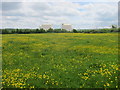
[[60, 60]]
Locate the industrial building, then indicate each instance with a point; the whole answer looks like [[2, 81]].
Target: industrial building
[[46, 26], [67, 27]]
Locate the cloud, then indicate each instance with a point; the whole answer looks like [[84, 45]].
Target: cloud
[[79, 14], [10, 6], [61, 1]]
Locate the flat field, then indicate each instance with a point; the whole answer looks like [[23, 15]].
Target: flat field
[[60, 60]]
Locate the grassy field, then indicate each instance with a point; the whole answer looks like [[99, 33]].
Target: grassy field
[[63, 60]]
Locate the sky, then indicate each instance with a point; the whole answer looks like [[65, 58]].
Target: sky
[[80, 14]]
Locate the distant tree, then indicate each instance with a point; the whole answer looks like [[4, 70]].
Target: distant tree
[[118, 29], [13, 31], [42, 30], [75, 31], [37, 31], [57, 30], [26, 31], [50, 30], [64, 31], [17, 30], [5, 31], [0, 31], [20, 31]]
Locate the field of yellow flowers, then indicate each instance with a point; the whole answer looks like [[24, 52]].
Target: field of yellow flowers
[[60, 60]]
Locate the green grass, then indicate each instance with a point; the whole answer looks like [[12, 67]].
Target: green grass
[[63, 60]]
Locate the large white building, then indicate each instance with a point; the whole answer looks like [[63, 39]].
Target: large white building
[[67, 27], [46, 26]]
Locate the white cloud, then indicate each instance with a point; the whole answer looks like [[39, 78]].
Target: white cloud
[[61, 1], [80, 15]]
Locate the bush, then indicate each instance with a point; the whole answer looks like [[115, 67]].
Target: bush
[[50, 30], [42, 30], [75, 31], [57, 30], [5, 31]]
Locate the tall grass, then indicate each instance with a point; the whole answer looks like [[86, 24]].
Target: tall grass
[[63, 60]]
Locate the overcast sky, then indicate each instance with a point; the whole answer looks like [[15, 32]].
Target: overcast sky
[[87, 14]]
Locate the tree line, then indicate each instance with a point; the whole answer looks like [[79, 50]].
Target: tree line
[[28, 31]]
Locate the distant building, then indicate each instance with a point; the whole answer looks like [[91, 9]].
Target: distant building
[[67, 27], [46, 26]]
